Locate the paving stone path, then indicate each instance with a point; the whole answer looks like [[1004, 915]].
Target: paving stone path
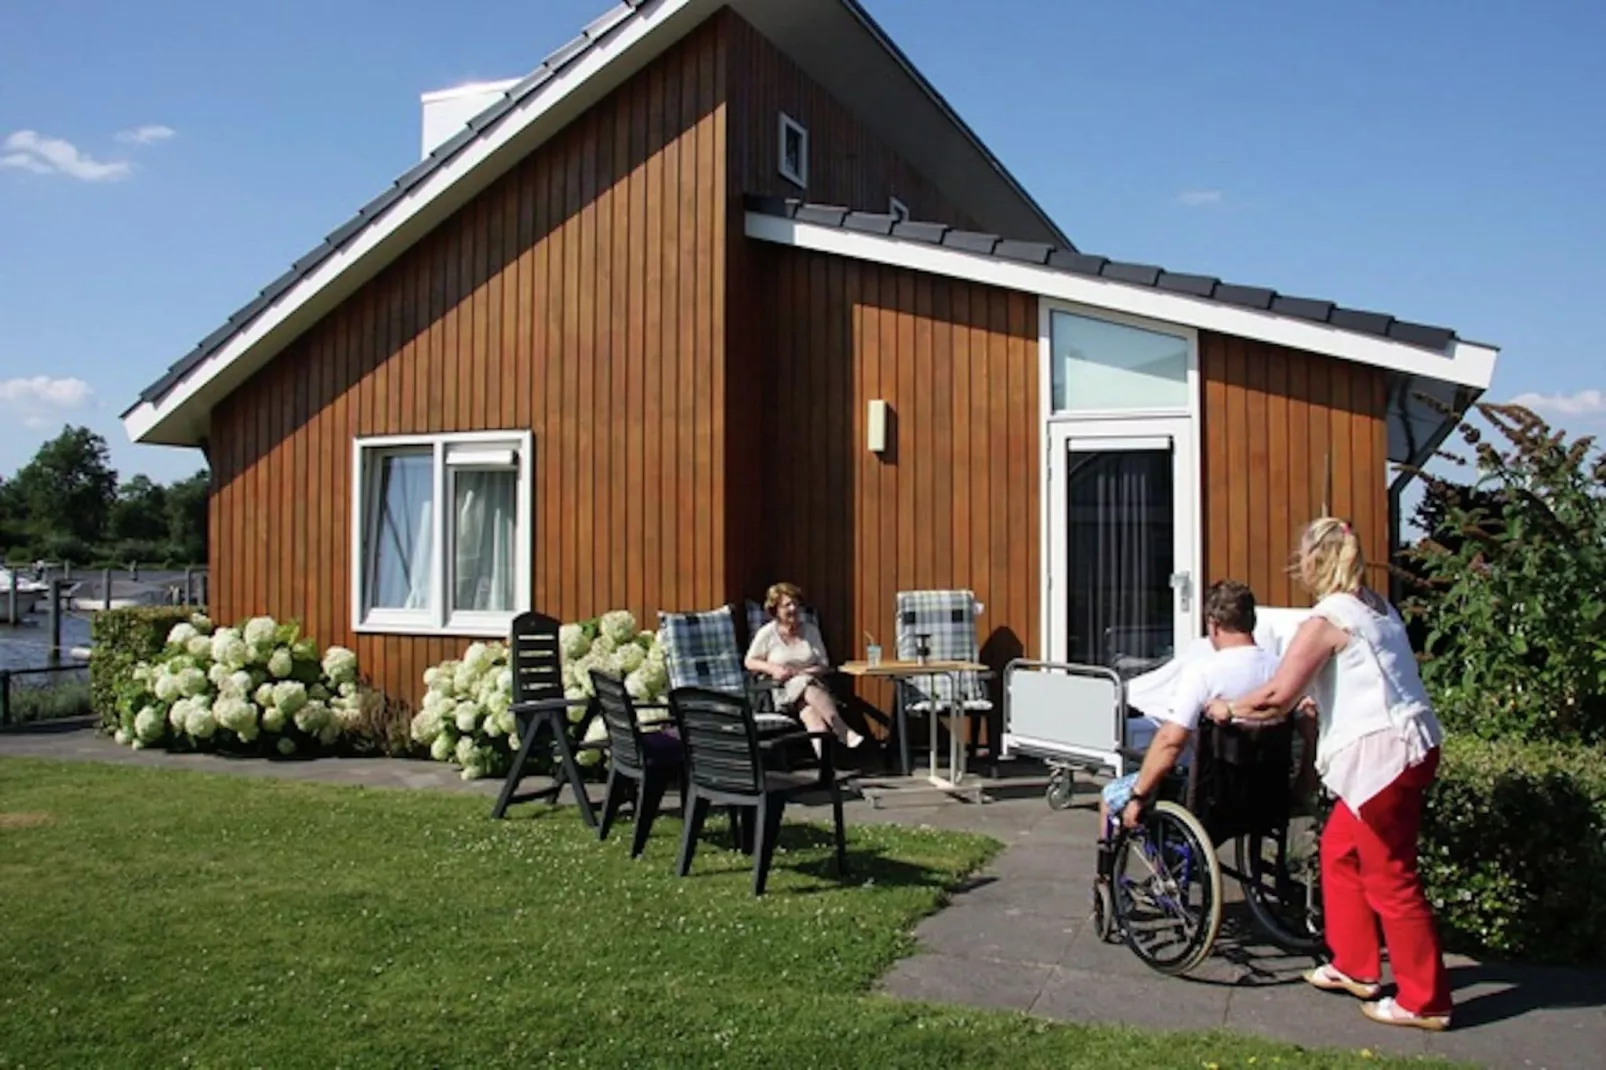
[[1017, 937]]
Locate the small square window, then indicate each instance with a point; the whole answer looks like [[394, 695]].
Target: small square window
[[794, 152], [898, 210]]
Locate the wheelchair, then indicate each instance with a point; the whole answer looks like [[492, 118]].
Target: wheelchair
[[1160, 885]]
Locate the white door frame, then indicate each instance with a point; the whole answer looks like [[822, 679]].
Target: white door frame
[[1182, 425], [1175, 436]]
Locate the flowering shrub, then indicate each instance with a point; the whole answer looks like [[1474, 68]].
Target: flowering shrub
[[259, 687], [467, 713]]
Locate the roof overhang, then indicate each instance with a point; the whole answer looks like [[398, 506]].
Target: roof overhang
[[1458, 363], [899, 103]]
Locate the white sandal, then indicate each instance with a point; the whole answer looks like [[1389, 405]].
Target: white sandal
[[1389, 1012], [1328, 978]]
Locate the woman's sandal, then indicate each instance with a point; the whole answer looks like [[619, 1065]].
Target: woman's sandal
[[1388, 1012], [1328, 979]]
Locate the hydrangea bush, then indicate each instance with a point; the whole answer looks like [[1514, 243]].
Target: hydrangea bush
[[467, 713], [260, 688]]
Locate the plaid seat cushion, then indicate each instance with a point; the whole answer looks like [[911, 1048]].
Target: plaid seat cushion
[[948, 620], [700, 650]]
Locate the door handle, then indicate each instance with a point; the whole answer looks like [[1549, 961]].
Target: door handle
[[1182, 583]]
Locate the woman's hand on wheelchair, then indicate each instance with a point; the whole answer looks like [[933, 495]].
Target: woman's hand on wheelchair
[[1132, 814]]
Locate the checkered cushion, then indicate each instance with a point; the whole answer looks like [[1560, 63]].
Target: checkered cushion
[[948, 620], [700, 650], [757, 618]]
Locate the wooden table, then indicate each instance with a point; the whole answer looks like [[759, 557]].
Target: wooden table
[[904, 670]]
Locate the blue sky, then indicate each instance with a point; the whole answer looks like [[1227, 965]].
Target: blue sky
[[1439, 160]]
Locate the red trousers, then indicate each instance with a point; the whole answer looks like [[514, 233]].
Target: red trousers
[[1369, 874]]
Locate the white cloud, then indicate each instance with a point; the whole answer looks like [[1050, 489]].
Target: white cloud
[[42, 390], [27, 150], [149, 134], [1583, 403], [1200, 198]]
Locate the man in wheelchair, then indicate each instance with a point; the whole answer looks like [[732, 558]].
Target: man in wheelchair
[[1235, 667]]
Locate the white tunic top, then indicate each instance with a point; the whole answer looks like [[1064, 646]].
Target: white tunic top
[[802, 652], [1375, 719]]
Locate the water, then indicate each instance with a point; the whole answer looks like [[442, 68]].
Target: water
[[27, 644]]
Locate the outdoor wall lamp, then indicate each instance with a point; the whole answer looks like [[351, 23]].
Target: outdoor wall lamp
[[876, 426]]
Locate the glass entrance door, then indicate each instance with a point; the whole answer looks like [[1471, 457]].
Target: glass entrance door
[[1121, 538]]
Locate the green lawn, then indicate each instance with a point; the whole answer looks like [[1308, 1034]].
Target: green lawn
[[156, 919]]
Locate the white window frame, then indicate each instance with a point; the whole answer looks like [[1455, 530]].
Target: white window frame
[[1185, 422], [470, 450], [799, 179], [898, 210]]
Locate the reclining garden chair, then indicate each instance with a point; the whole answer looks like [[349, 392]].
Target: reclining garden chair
[[946, 622], [701, 649]]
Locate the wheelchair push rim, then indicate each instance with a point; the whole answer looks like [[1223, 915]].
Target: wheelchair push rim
[[1166, 890]]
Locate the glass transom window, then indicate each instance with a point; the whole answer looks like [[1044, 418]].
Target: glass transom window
[[1099, 366]]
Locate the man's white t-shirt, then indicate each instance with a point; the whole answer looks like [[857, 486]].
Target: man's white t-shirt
[[1228, 674]]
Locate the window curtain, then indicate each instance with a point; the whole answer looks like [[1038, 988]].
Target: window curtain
[[400, 533], [486, 514], [1120, 555]]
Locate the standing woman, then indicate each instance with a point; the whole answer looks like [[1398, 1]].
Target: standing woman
[[1377, 752]]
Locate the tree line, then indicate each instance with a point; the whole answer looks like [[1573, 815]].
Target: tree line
[[67, 504]]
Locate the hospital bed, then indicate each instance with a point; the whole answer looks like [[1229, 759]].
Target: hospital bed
[[1089, 718]]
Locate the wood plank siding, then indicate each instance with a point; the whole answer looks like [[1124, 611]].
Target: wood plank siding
[[582, 297], [954, 500], [1283, 431]]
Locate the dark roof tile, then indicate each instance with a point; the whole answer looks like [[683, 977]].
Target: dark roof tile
[[1420, 334], [1304, 308], [1142, 274], [1350, 319], [1080, 263], [1032, 252], [1246, 296], [927, 232], [971, 241], [826, 215], [869, 222], [1194, 285]]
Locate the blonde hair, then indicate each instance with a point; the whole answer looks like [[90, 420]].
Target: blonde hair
[[779, 591], [1330, 558]]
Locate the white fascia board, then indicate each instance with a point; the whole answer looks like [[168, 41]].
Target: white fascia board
[[170, 421], [1463, 363]]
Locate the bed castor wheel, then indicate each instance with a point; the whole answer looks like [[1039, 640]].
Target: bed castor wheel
[[1061, 790]]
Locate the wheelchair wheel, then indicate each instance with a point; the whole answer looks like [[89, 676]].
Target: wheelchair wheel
[[1167, 890], [1280, 874], [1103, 912], [1061, 792]]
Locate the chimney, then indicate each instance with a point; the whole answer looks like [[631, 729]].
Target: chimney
[[447, 111]]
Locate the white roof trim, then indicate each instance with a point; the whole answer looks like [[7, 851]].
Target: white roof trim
[[396, 229], [1463, 363]]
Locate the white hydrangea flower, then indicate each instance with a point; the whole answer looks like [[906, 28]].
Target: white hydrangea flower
[[492, 727], [340, 665], [312, 718], [199, 646], [237, 715], [166, 686], [432, 677], [572, 641], [122, 737], [236, 683], [636, 686], [466, 716], [181, 635], [289, 696], [442, 749], [192, 682], [228, 648], [273, 719], [629, 657], [348, 689], [149, 725], [200, 722], [287, 746], [596, 731], [280, 664], [499, 702], [201, 622], [465, 750], [619, 626], [507, 723], [261, 632], [264, 694], [427, 724]]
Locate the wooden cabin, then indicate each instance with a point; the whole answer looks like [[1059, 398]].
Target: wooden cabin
[[725, 293]]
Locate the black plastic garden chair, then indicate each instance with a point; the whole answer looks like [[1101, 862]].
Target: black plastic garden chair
[[539, 707], [726, 765], [639, 762]]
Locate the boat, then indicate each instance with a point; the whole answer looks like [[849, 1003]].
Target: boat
[[30, 592]]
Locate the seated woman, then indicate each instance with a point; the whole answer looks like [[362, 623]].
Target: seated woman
[[792, 653]]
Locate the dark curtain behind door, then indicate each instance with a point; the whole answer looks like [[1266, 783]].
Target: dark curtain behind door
[[1120, 532]]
